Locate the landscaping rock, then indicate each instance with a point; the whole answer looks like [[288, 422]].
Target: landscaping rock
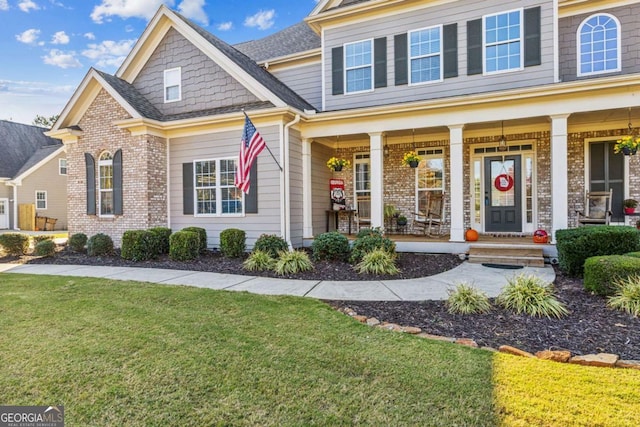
[[555, 355], [372, 321], [361, 319], [629, 364], [411, 330], [390, 327], [436, 337], [467, 341], [515, 351], [600, 359]]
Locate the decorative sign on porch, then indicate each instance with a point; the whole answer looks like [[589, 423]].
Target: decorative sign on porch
[[338, 201], [503, 182]]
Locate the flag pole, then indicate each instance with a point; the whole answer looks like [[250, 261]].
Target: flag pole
[[267, 146]]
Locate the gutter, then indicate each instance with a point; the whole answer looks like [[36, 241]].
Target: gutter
[[15, 204], [286, 213]]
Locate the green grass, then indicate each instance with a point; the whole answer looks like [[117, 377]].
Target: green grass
[[126, 353]]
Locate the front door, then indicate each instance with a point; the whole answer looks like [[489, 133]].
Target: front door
[[4, 214], [503, 207]]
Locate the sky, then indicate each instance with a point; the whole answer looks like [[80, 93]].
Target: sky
[[48, 46]]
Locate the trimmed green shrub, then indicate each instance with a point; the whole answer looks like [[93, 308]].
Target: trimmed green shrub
[[465, 299], [627, 297], [202, 235], [139, 245], [41, 238], [601, 272], [330, 246], [45, 248], [376, 231], [577, 244], [633, 254], [14, 243], [369, 240], [378, 261], [259, 261], [232, 242], [184, 245], [77, 242], [100, 245], [271, 244], [292, 262], [162, 239], [530, 295]]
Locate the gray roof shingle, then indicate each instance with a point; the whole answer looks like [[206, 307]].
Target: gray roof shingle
[[22, 145], [294, 39]]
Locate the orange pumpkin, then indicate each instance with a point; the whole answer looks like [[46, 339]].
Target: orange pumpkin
[[471, 235]]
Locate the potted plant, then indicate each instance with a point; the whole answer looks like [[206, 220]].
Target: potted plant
[[411, 159], [337, 163], [629, 206], [401, 221], [626, 145]]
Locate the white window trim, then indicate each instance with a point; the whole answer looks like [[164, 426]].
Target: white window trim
[[365, 158], [484, 43], [371, 65], [100, 189], [218, 190], [410, 58], [66, 167], [416, 172], [165, 85], [579, 47], [41, 200]]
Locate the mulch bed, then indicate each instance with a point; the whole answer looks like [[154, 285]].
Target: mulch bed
[[590, 327]]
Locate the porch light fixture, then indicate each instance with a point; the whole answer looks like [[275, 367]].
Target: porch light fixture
[[631, 133], [385, 150], [502, 144]]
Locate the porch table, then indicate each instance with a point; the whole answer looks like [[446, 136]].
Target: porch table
[[336, 217]]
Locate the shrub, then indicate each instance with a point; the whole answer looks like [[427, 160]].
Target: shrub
[[202, 235], [376, 231], [41, 238], [369, 240], [14, 243], [627, 296], [378, 261], [330, 246], [633, 254], [232, 242], [99, 245], [531, 295], [601, 272], [271, 244], [45, 248], [465, 299], [292, 262], [162, 239], [577, 244], [184, 245], [77, 242], [259, 261], [139, 245]]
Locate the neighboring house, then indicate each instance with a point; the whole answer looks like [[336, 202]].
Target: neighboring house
[[536, 90], [33, 170]]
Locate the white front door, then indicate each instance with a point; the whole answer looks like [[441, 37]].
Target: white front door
[[4, 213]]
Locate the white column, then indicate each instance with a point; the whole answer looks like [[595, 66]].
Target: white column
[[307, 201], [377, 179], [559, 178], [456, 180]]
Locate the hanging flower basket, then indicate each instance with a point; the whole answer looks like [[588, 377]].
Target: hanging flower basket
[[411, 159], [626, 145], [337, 163]]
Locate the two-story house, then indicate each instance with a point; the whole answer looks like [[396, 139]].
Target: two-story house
[[534, 92]]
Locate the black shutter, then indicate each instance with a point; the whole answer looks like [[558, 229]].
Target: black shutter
[[337, 70], [187, 188], [251, 199], [401, 65], [532, 45], [450, 50], [474, 47], [380, 55], [117, 182], [90, 166]]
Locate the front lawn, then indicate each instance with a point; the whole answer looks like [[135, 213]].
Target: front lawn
[[127, 353]]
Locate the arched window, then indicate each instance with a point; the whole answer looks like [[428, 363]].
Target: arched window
[[599, 45], [105, 183]]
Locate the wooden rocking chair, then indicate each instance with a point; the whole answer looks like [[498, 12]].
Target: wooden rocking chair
[[363, 213], [424, 221], [597, 208]]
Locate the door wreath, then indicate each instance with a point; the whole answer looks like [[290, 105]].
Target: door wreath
[[503, 182]]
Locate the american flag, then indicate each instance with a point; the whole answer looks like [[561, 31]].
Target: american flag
[[250, 146]]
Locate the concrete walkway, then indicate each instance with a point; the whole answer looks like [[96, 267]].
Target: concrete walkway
[[488, 279]]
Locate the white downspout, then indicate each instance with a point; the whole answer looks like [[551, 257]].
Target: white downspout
[[15, 205], [286, 213]]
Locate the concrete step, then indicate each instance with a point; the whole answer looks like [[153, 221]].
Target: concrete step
[[524, 255]]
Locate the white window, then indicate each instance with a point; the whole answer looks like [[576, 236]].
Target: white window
[[105, 183], [62, 166], [503, 42], [429, 175], [425, 55], [359, 68], [215, 191], [173, 85], [41, 200], [599, 45]]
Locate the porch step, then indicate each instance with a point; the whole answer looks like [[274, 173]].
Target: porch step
[[524, 255]]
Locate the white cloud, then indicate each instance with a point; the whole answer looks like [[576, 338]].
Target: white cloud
[[225, 26], [27, 5], [127, 9], [90, 36], [194, 9], [21, 101], [29, 36], [60, 38], [61, 59], [263, 19], [4, 5], [109, 53]]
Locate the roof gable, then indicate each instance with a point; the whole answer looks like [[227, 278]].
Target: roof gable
[[19, 145]]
